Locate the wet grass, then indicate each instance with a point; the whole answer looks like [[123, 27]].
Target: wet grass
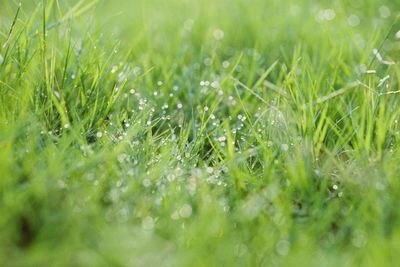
[[199, 133]]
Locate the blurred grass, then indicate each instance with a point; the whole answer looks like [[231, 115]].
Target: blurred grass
[[199, 133]]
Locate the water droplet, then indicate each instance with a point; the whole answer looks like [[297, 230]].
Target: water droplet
[[285, 147], [208, 61], [214, 84], [384, 12], [222, 139], [225, 64], [185, 211], [218, 34], [353, 20], [114, 69], [283, 247], [146, 182], [175, 216]]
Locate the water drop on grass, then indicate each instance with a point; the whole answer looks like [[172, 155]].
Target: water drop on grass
[[283, 247], [185, 211], [175, 216], [218, 34], [208, 61], [222, 139], [114, 69], [146, 182], [225, 64], [353, 20], [384, 12], [330, 14]]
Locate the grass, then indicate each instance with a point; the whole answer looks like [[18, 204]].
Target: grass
[[199, 133]]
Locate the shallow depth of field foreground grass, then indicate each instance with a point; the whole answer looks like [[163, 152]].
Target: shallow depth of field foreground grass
[[199, 133]]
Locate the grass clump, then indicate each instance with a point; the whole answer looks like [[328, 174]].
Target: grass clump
[[199, 133]]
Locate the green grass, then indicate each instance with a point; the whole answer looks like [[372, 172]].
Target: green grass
[[199, 133]]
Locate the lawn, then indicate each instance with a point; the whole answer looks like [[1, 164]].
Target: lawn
[[199, 133]]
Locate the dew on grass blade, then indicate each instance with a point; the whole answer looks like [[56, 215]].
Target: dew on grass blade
[[185, 211], [175, 216], [285, 147], [225, 64], [282, 247], [353, 20], [208, 61], [384, 12], [215, 84], [218, 34], [146, 182], [114, 69], [326, 15]]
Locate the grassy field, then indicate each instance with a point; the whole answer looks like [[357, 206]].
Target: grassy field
[[199, 133]]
